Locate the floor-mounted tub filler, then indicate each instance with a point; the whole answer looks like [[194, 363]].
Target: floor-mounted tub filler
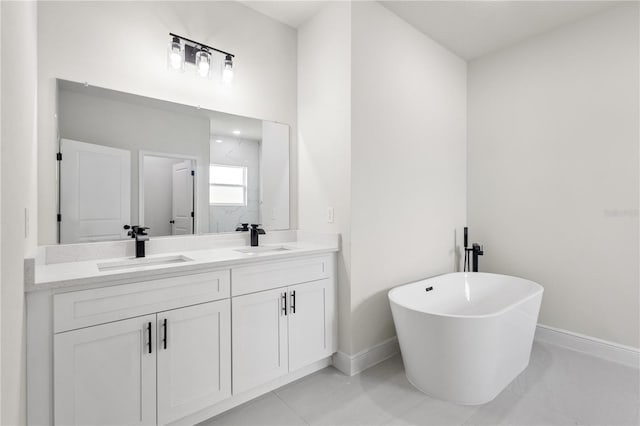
[[465, 336]]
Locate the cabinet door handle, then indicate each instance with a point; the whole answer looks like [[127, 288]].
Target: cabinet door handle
[[293, 302], [149, 343], [164, 333], [283, 297]]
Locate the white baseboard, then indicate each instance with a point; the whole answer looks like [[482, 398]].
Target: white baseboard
[[589, 345], [354, 364]]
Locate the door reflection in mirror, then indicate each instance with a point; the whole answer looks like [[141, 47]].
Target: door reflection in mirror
[[95, 186], [168, 193]]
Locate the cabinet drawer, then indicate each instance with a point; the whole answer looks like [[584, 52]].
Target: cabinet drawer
[[90, 307], [250, 279]]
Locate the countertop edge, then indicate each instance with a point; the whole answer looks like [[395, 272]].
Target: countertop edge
[[86, 283]]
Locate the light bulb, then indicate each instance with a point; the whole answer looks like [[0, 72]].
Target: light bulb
[[203, 62], [227, 72], [203, 69], [176, 60], [176, 54]]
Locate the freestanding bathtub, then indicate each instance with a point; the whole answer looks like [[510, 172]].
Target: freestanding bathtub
[[465, 336]]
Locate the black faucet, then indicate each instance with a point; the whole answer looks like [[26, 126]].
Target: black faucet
[[255, 231], [475, 249], [138, 232], [242, 227]]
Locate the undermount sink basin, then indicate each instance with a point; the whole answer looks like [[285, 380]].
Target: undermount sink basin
[[262, 249], [141, 262]]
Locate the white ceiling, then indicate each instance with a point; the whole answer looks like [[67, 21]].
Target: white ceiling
[[222, 126], [468, 28], [293, 12], [475, 28]]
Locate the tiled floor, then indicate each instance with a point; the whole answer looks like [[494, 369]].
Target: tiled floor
[[559, 387]]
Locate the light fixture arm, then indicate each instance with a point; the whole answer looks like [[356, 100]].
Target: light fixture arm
[[202, 45]]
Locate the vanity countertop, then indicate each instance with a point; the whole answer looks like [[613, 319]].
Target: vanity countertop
[[86, 274]]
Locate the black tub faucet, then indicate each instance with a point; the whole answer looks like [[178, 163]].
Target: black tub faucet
[[255, 231], [477, 250], [139, 234]]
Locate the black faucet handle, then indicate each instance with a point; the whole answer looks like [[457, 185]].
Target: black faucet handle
[[136, 230], [477, 248], [242, 227], [256, 228]]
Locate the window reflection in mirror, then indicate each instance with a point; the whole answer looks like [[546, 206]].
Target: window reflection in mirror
[[132, 160]]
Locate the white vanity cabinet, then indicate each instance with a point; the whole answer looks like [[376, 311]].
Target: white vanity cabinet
[[194, 359], [147, 370], [105, 375], [109, 374], [280, 330], [178, 348], [260, 343], [312, 321]]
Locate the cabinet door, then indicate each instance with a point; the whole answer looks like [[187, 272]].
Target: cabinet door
[[259, 338], [106, 374], [194, 359], [311, 322]]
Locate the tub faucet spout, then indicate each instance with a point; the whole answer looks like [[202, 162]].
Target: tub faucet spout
[[477, 250]]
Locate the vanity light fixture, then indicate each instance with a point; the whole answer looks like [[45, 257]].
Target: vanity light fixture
[[185, 51], [219, 140], [236, 132]]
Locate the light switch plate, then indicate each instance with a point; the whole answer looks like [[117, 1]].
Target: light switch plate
[[330, 214]]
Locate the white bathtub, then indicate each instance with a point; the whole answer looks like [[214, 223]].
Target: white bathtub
[[469, 336]]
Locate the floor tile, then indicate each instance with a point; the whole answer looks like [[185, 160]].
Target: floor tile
[[510, 408], [559, 387], [267, 410], [581, 387], [435, 412], [374, 397]]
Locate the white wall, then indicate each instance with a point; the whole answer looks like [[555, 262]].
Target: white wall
[[137, 127], [408, 159], [158, 193], [553, 170], [382, 118], [324, 119], [122, 46], [18, 170]]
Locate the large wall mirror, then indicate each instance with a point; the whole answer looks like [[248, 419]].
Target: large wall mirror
[[131, 160]]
